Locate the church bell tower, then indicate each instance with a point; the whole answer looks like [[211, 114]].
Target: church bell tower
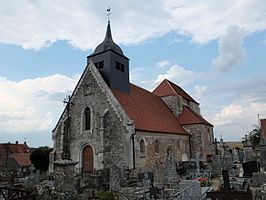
[[111, 62]]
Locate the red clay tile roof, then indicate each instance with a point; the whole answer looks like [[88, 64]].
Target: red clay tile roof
[[263, 127], [148, 111], [19, 152], [13, 148], [189, 116], [23, 159], [168, 88]]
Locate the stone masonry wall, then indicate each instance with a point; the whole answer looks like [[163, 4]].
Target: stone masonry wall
[[117, 149], [179, 145], [174, 103], [201, 140]]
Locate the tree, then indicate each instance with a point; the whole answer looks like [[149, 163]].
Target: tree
[[40, 158], [254, 137]]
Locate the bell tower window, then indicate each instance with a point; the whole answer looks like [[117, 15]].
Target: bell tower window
[[119, 66], [99, 65]]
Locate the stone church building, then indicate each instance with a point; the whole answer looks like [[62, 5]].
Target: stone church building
[[110, 121]]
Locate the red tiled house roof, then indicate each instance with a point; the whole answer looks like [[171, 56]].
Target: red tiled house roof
[[148, 111], [188, 117], [23, 159], [168, 88], [20, 153], [263, 127]]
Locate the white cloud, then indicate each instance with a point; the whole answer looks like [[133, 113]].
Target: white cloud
[[237, 119], [35, 24], [177, 74], [199, 91], [163, 63], [231, 51], [32, 104]]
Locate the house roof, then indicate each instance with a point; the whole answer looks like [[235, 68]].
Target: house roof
[[13, 148], [263, 127], [188, 117], [23, 159], [168, 88], [18, 152], [148, 111]]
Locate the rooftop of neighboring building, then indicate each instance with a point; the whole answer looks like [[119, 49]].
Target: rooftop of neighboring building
[[263, 127]]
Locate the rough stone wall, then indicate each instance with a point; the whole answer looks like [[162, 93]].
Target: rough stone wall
[[117, 131], [174, 103], [201, 140], [179, 145]]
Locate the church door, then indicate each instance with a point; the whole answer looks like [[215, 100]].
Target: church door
[[87, 159]]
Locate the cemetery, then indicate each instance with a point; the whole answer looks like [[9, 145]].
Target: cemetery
[[229, 174]]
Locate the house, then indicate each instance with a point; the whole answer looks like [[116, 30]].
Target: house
[[14, 156], [110, 121]]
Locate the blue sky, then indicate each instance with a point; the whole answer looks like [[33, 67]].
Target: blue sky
[[215, 51]]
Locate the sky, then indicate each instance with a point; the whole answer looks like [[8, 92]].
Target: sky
[[215, 50]]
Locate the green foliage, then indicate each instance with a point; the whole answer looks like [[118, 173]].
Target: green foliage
[[105, 195], [254, 137], [40, 158]]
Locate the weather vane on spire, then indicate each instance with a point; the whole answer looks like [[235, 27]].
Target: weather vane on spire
[[109, 13]]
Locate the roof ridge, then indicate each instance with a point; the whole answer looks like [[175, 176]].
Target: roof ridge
[[191, 98], [169, 83]]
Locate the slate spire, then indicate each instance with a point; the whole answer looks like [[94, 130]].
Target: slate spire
[[108, 43]]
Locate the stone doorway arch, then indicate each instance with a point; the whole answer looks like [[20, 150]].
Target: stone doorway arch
[[87, 159]]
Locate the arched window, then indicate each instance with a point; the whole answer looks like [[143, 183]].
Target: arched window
[[156, 147], [142, 148], [87, 118], [178, 145]]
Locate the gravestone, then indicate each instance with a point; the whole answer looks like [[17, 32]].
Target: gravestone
[[235, 155], [216, 168], [37, 176], [229, 165], [147, 182], [115, 176], [248, 151], [159, 172], [250, 167], [191, 187], [124, 177], [171, 175]]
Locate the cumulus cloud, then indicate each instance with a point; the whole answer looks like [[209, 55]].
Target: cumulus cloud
[[163, 63], [32, 104], [231, 51], [237, 119], [177, 74], [199, 91], [36, 24]]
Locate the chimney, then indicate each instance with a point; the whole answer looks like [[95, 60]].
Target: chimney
[[16, 142], [25, 142]]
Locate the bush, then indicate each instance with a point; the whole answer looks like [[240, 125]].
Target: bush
[[105, 196]]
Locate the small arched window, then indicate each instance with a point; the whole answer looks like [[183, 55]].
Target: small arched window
[[178, 145], [156, 147], [87, 118], [142, 147]]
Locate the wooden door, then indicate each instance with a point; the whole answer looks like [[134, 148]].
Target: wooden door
[[87, 159]]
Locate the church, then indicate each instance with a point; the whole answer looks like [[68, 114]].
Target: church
[[110, 121]]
